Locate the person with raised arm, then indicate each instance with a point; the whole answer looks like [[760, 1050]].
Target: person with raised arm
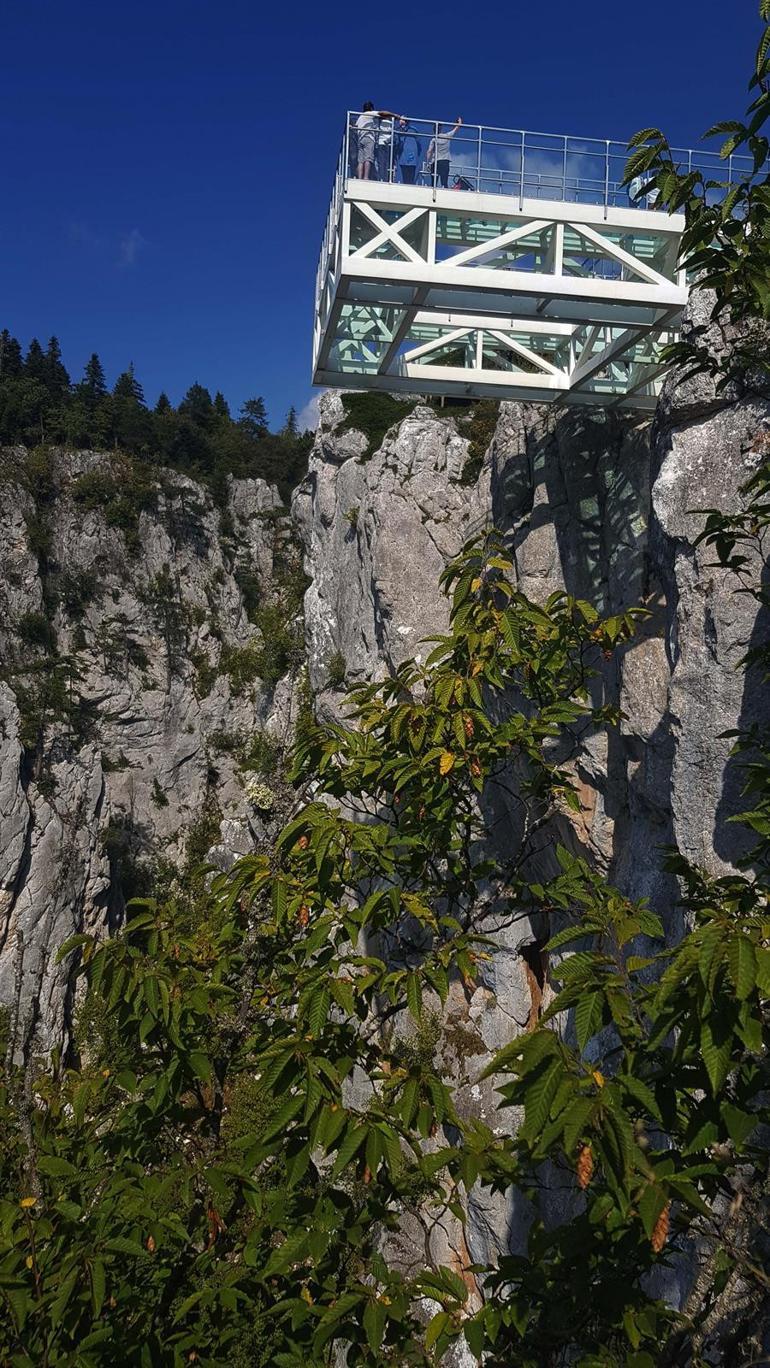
[[438, 152]]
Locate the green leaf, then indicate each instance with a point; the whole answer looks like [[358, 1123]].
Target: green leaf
[[742, 963], [588, 1017], [641, 1093], [439, 1326], [351, 1144], [56, 1167], [739, 1123], [538, 1097], [318, 1010], [711, 954], [120, 1244], [576, 1119], [763, 971], [98, 1286], [715, 1043], [374, 1324], [201, 1065]]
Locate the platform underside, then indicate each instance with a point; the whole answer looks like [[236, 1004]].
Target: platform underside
[[450, 292]]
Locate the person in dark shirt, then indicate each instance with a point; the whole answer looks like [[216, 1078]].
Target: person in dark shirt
[[408, 151]]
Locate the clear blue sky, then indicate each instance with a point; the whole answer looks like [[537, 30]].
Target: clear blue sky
[[167, 165]]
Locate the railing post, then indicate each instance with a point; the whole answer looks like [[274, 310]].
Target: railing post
[[607, 179], [478, 165], [392, 148], [346, 148], [435, 159], [521, 173], [564, 171]]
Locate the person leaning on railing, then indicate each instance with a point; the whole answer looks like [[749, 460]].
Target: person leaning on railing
[[438, 152], [367, 134]]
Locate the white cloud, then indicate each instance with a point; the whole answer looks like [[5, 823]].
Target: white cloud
[[308, 417], [130, 246]]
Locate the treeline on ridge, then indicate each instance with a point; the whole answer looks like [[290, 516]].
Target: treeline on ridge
[[40, 404]]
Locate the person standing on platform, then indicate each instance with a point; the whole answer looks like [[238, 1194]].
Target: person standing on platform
[[438, 153], [407, 151], [386, 152], [367, 129]]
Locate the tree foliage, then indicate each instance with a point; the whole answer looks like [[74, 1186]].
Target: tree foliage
[[38, 404]]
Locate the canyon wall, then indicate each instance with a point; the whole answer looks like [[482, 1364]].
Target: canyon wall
[[135, 716]]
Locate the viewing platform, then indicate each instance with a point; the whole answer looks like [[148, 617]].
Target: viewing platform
[[519, 268]]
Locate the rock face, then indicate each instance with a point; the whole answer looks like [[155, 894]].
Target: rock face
[[600, 505], [595, 503], [132, 702]]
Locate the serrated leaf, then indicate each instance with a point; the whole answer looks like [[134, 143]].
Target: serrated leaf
[[588, 1018], [440, 1324], [351, 1144], [98, 1286], [374, 1324], [742, 964], [739, 1123], [576, 1119], [715, 1049], [538, 1098]]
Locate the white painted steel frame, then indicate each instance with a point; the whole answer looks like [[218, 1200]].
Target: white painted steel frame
[[598, 323]]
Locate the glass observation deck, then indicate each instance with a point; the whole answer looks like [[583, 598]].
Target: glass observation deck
[[505, 263]]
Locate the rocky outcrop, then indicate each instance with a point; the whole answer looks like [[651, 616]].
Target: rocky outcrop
[[134, 710], [378, 533], [599, 504], [602, 505]]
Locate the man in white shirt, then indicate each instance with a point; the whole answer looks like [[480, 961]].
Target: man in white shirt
[[367, 128]]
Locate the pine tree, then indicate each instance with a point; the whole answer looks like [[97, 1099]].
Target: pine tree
[[127, 386], [197, 406], [290, 428], [164, 403], [253, 417], [11, 363], [56, 378], [94, 384], [221, 406], [35, 366]]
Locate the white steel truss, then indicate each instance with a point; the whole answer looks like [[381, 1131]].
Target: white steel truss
[[435, 291]]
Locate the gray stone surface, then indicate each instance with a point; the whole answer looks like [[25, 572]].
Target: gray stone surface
[[604, 506], [150, 639]]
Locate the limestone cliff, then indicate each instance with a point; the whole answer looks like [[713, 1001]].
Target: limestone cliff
[[146, 677], [600, 504]]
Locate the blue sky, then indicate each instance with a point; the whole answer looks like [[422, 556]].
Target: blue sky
[[167, 165]]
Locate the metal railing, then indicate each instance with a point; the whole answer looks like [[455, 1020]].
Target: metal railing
[[490, 160], [481, 159]]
